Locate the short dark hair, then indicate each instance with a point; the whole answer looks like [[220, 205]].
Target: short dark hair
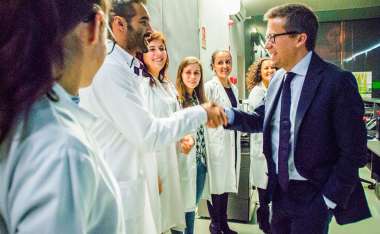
[[300, 18], [125, 9]]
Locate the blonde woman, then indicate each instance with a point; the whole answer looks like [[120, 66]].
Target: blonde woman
[[193, 167]]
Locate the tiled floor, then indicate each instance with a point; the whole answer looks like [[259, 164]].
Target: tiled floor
[[368, 226]]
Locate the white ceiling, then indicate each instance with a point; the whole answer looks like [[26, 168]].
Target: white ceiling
[[259, 7]]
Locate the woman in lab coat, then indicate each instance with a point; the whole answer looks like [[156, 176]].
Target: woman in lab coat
[[193, 166], [224, 147], [52, 178], [257, 79], [161, 99]]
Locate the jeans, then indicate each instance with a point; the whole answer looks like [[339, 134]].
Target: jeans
[[200, 183]]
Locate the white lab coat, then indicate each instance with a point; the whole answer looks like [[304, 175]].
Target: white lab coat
[[259, 168], [188, 176], [224, 174], [116, 94], [52, 177], [132, 177], [161, 100]]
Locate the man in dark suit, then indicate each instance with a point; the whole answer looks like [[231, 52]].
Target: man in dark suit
[[314, 135]]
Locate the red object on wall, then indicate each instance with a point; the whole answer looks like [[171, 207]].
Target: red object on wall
[[230, 22], [233, 80], [203, 37]]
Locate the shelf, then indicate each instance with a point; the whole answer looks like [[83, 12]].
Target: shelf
[[373, 100]]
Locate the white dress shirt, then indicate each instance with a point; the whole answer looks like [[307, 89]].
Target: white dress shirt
[[300, 69]]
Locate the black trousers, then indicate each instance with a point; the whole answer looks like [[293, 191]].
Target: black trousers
[[300, 210], [218, 209]]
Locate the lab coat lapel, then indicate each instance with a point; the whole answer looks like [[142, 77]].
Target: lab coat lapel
[[222, 93]]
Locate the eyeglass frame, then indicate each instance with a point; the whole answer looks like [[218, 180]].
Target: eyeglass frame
[[272, 36]]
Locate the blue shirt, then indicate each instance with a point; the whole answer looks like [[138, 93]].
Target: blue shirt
[[300, 69]]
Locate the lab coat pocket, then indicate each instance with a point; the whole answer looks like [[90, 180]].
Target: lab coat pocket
[[132, 194]]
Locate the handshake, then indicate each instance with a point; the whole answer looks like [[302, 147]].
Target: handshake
[[215, 115]]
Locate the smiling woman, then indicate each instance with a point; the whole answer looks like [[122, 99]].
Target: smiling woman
[[156, 59], [161, 99], [224, 153]]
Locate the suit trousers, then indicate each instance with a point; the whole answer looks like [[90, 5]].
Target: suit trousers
[[300, 210]]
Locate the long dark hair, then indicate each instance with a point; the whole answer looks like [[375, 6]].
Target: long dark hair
[[32, 50]]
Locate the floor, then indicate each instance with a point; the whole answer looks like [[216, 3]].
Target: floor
[[368, 226]]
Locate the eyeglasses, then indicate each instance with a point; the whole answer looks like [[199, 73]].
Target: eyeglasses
[[272, 36]]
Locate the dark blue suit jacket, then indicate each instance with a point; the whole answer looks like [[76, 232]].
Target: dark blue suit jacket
[[329, 136]]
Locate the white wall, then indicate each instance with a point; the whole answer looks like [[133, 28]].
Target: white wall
[[181, 21], [178, 20], [214, 16], [237, 47]]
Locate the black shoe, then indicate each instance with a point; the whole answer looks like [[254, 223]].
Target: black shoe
[[226, 229], [263, 218], [215, 229], [229, 231]]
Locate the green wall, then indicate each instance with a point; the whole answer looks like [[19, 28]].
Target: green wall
[[324, 16]]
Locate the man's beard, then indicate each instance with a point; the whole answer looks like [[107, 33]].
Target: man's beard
[[136, 40]]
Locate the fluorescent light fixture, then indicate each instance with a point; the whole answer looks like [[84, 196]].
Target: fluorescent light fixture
[[361, 52]]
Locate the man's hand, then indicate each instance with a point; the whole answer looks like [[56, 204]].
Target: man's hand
[[186, 144], [215, 115]]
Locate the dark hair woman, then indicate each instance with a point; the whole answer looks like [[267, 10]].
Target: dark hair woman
[[156, 70], [52, 178], [224, 152]]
